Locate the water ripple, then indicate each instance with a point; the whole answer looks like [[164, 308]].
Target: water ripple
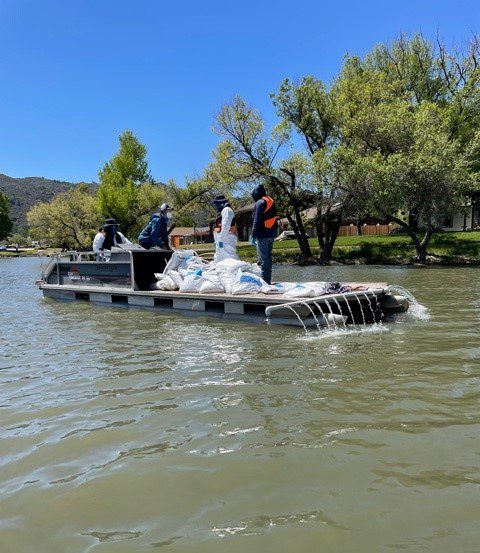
[[125, 430]]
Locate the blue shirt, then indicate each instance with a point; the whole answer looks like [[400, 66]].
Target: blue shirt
[[156, 231]]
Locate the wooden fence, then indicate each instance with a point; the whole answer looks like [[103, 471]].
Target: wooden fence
[[367, 230]]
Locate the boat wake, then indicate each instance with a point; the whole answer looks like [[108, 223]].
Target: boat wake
[[348, 331]]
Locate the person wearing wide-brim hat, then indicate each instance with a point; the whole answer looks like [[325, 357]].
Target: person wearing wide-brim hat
[[109, 236], [155, 234], [224, 230]]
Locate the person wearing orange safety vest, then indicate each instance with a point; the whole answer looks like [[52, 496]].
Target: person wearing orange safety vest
[[224, 230], [264, 230]]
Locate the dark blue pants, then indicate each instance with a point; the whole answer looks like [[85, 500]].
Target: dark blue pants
[[264, 251]]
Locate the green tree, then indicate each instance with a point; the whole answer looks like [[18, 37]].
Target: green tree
[[311, 111], [189, 200], [20, 240], [193, 200], [6, 225], [409, 114], [70, 220], [129, 194], [150, 197], [428, 176], [247, 155], [127, 191]]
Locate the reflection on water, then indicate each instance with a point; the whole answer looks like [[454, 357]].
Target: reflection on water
[[125, 430]]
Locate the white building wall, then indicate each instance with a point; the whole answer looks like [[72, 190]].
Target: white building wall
[[459, 221]]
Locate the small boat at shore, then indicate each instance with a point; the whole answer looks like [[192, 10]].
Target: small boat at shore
[[127, 276]]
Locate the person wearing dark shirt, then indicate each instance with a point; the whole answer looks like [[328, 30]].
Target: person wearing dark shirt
[[264, 230], [156, 232], [109, 237]]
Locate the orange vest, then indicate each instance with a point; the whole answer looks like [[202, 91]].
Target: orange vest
[[270, 216]]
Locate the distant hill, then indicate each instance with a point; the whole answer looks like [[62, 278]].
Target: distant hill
[[26, 192]]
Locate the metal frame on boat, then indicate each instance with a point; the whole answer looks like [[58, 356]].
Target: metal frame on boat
[[126, 276]]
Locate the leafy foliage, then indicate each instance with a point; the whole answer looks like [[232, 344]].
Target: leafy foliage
[[20, 240], [127, 192], [70, 220], [312, 111], [408, 124], [248, 155], [5, 222]]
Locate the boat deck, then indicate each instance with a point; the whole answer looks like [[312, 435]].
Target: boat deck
[[246, 307], [264, 299], [127, 278]]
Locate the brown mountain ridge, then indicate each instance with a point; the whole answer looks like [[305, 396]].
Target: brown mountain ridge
[[24, 193]]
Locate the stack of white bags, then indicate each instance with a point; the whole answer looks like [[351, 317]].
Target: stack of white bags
[[186, 271]]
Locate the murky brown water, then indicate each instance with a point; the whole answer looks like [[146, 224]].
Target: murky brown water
[[129, 431]]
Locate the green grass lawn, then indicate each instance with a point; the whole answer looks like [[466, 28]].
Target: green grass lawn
[[450, 246], [395, 248]]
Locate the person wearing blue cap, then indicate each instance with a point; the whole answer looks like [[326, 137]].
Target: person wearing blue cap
[[224, 230], [155, 234]]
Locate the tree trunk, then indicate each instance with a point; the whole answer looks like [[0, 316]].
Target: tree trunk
[[320, 235], [422, 254], [300, 236], [421, 246], [332, 238], [323, 240], [328, 228]]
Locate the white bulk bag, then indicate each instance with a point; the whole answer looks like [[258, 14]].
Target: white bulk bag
[[191, 281], [177, 278], [211, 283], [179, 260], [299, 291], [318, 288], [166, 283], [255, 269], [276, 288], [246, 283], [232, 265]]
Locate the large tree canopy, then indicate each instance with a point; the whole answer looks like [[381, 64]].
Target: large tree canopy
[[70, 220], [127, 191], [312, 112], [409, 116], [248, 154]]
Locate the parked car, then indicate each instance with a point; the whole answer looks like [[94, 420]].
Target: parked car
[[285, 235], [3, 248]]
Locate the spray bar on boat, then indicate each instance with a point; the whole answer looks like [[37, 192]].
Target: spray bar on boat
[[369, 293]]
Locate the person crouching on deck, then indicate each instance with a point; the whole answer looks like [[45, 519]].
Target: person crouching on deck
[[264, 231], [108, 237], [155, 234], [224, 230]]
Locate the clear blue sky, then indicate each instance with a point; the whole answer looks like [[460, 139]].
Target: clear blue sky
[[75, 73]]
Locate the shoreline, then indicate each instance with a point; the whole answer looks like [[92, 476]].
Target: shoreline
[[292, 260]]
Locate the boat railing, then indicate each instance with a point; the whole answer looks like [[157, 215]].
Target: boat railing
[[70, 256]]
